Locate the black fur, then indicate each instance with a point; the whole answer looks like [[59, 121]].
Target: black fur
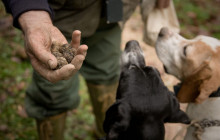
[[143, 103]]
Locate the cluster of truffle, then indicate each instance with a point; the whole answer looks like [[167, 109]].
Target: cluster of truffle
[[64, 54]]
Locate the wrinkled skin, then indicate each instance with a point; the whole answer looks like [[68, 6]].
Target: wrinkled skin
[[39, 34]]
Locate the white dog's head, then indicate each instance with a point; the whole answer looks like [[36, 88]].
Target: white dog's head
[[194, 61]]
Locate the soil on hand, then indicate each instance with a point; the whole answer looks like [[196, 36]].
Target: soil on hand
[[64, 54]]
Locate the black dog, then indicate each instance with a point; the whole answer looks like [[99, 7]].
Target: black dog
[[143, 103]]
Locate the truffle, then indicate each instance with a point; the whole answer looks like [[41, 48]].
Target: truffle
[[64, 54]]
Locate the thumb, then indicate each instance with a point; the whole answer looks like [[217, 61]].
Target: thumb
[[45, 56]]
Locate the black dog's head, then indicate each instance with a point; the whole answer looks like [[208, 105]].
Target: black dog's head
[[143, 102]]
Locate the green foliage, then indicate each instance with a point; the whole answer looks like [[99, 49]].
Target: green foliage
[[14, 76], [198, 17]]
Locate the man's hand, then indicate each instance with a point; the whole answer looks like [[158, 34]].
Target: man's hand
[[39, 34], [162, 4]]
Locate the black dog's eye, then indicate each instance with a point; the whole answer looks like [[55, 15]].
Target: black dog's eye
[[184, 49]]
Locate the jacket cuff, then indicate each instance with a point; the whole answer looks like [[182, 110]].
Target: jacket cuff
[[18, 7]]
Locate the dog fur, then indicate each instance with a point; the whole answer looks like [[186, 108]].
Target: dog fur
[[143, 103], [196, 62]]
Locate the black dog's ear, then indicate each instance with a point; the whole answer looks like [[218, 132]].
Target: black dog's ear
[[110, 116], [176, 115], [117, 120]]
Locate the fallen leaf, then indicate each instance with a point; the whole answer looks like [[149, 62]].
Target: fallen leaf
[[18, 50], [21, 85], [3, 97], [5, 23], [21, 111], [3, 128]]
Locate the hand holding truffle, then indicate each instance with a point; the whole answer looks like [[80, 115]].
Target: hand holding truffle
[[40, 36]]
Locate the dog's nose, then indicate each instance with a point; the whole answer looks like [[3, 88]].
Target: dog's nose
[[163, 31]]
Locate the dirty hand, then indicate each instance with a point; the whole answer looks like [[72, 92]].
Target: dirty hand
[[162, 3], [39, 34]]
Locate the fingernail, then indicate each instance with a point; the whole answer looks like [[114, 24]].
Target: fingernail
[[50, 63]]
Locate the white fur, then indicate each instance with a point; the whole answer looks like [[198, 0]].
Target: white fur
[[212, 42], [169, 52], [169, 49], [209, 109], [131, 57]]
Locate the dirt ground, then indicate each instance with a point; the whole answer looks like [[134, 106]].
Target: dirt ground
[[133, 30]]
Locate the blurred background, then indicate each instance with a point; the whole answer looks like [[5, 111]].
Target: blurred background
[[195, 17]]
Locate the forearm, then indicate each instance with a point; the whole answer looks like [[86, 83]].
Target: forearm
[[29, 19], [18, 7]]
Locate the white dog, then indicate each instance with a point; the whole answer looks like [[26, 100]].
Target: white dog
[[196, 63]]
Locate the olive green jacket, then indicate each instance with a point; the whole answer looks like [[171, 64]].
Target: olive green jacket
[[83, 15]]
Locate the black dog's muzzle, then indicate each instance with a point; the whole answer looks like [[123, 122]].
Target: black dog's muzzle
[[132, 55]]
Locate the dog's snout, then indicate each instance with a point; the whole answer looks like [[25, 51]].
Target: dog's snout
[[132, 45], [132, 55], [163, 32]]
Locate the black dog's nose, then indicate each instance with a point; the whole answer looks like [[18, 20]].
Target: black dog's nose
[[132, 45], [163, 32], [132, 55]]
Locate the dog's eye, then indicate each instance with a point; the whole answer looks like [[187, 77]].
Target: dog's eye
[[184, 49]]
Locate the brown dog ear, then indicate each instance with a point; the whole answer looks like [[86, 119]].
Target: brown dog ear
[[190, 87], [207, 87], [210, 85]]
